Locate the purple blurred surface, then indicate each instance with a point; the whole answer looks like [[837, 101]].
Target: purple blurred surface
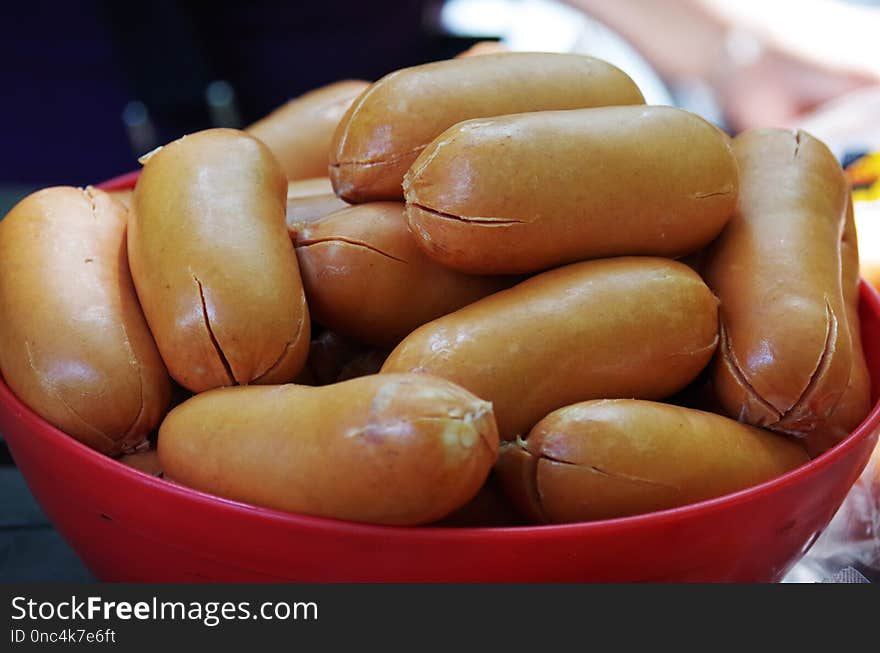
[[68, 69]]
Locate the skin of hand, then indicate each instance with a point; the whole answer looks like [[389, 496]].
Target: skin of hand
[[761, 58]]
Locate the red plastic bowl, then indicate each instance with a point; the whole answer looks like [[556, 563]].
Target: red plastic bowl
[[126, 525]]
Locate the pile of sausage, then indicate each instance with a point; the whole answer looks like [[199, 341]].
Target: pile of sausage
[[512, 263]]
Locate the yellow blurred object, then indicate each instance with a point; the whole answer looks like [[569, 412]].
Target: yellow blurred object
[[864, 177]]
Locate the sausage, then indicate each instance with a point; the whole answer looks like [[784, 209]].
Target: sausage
[[310, 199], [392, 121], [366, 278], [388, 449], [143, 461], [855, 403], [122, 196], [309, 187], [305, 209], [620, 457], [74, 345], [624, 327], [299, 133], [786, 353], [528, 192], [213, 265]]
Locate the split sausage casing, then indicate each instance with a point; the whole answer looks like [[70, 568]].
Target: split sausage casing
[[532, 191], [392, 121], [855, 403], [786, 350], [388, 449], [366, 278], [615, 458], [74, 345], [624, 327], [213, 264], [299, 133]]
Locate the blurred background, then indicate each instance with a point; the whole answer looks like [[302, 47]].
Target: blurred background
[[89, 86]]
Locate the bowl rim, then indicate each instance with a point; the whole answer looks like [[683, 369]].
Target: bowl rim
[[69, 446]]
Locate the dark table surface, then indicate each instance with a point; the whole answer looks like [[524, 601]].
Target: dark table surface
[[30, 549]]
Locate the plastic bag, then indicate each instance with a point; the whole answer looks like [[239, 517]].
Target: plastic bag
[[848, 551]]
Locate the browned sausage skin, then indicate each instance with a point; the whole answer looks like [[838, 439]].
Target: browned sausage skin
[[622, 327], [615, 458], [299, 133], [144, 461], [74, 345], [213, 264], [122, 196], [367, 251], [528, 192], [786, 351], [308, 200], [855, 403], [390, 449], [391, 122]]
